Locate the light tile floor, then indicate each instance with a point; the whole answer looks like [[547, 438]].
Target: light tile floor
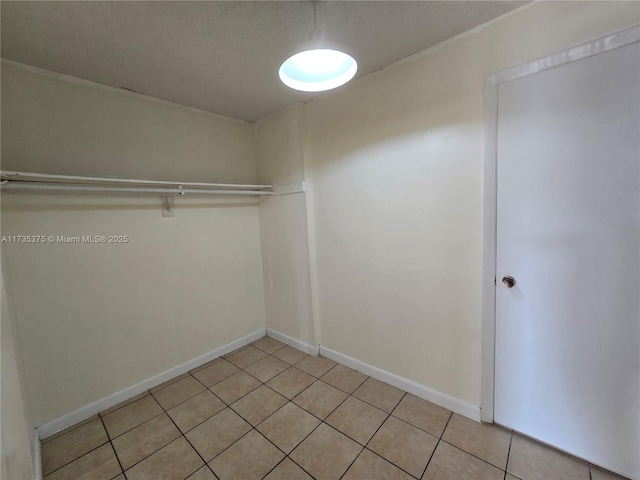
[[270, 411]]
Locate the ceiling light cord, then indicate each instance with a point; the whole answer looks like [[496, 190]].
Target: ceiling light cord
[[314, 35], [315, 26]]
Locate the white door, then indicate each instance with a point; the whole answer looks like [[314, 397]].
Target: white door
[[568, 232]]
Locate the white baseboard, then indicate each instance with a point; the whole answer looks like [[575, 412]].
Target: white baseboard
[[37, 458], [446, 401], [98, 406], [456, 405], [294, 342]]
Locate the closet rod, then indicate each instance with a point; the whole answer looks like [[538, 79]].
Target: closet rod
[[62, 187], [14, 176]]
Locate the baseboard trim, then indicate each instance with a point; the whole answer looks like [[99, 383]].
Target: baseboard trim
[[98, 406], [294, 342], [37, 457], [450, 403]]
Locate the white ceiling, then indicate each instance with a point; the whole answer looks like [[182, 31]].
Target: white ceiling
[[218, 56]]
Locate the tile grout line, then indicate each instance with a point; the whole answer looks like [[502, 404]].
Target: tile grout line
[[228, 405], [383, 422], [263, 385], [190, 374], [386, 460], [474, 456], [205, 387], [168, 383], [190, 444], [166, 412], [350, 437], [354, 461], [286, 455], [208, 364], [88, 452], [230, 445], [208, 468], [305, 437], [186, 375], [506, 465], [399, 419], [275, 466], [55, 436], [344, 434], [252, 363], [113, 448], [110, 440], [239, 398], [203, 421], [436, 447], [269, 353], [290, 400], [390, 414], [369, 403], [314, 416], [338, 388], [123, 404], [155, 451], [117, 460], [364, 447], [134, 427], [77, 458], [218, 360], [399, 402], [297, 464], [287, 362], [331, 412], [418, 428]]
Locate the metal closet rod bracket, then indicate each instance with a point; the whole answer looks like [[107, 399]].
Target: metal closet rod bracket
[[167, 206]]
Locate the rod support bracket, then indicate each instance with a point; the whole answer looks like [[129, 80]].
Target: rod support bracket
[[167, 206]]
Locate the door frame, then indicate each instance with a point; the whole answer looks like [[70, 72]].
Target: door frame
[[490, 197]]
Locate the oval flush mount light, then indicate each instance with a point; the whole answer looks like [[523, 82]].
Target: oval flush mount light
[[318, 70]]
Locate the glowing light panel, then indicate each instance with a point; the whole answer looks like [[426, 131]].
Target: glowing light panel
[[318, 70]]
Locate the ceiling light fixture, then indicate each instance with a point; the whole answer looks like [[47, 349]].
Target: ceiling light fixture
[[317, 69]]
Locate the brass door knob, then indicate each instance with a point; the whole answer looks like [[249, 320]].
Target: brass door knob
[[508, 282]]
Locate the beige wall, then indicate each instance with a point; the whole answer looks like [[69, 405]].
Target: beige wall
[[17, 433], [283, 227], [395, 174], [93, 319], [76, 128], [279, 147]]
